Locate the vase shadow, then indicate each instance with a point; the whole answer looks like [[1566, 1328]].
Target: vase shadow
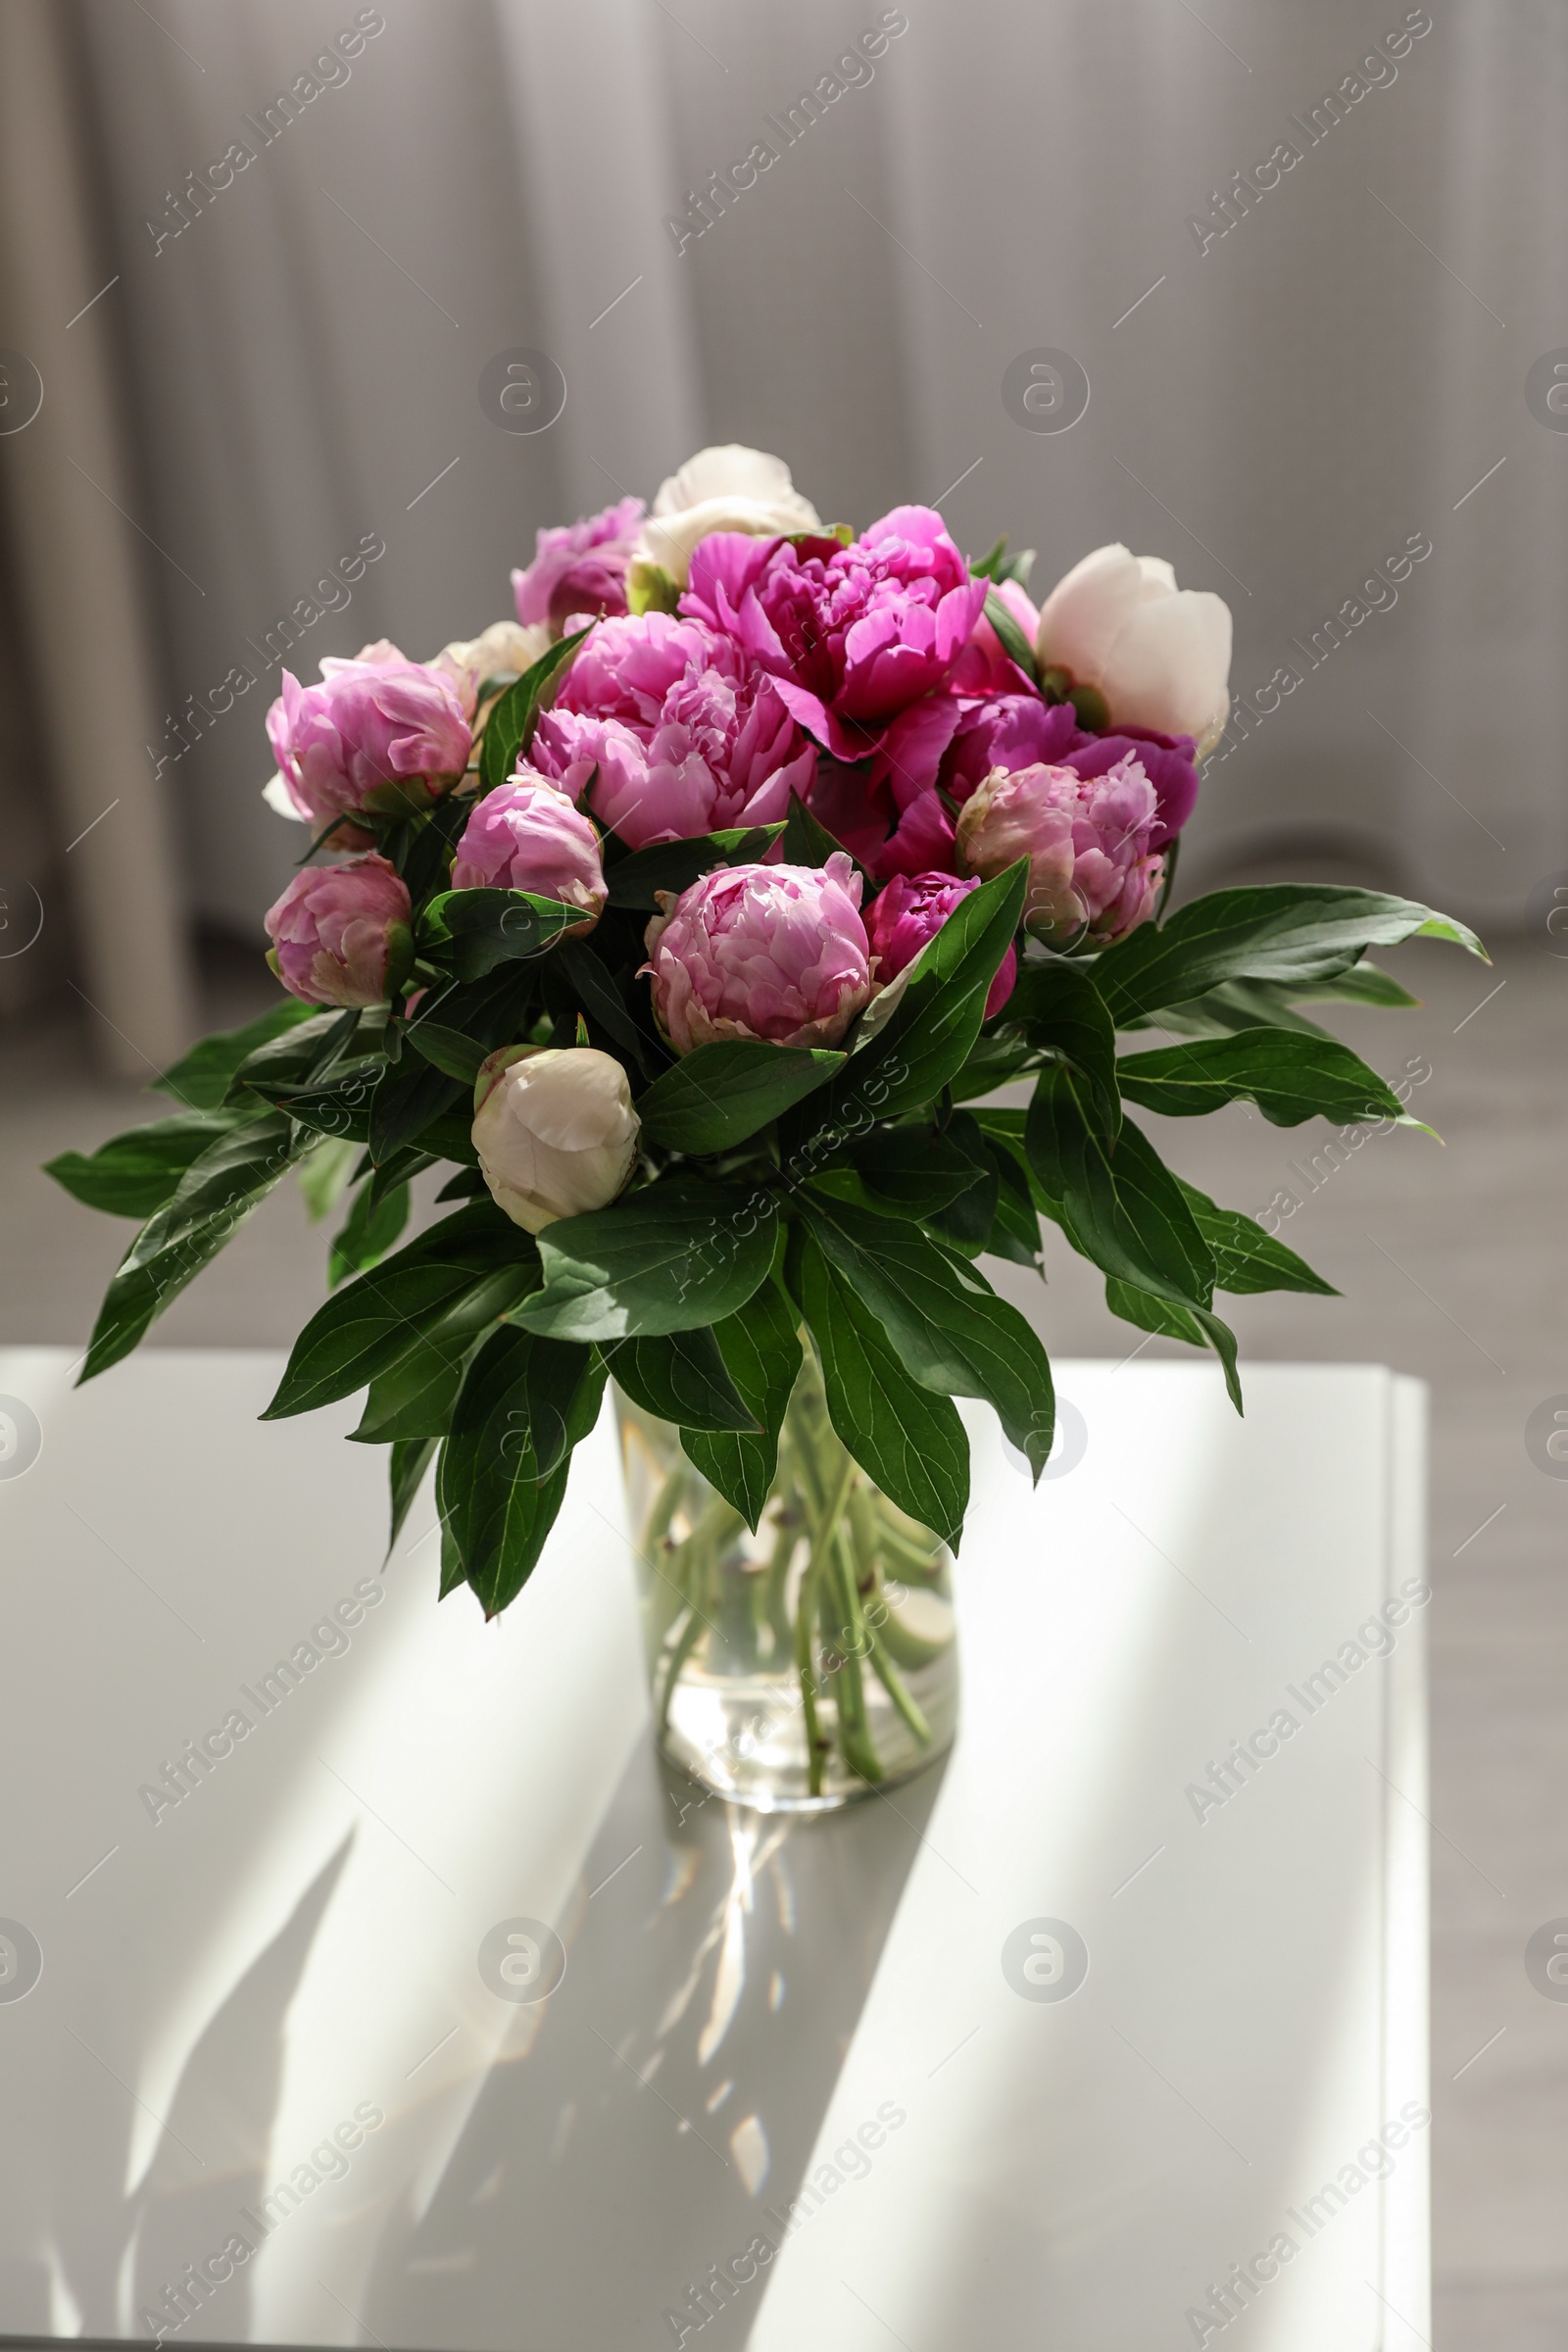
[[718, 1961]]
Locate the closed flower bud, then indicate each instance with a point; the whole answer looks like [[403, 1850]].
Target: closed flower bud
[[1087, 840], [529, 835], [377, 732], [555, 1131], [341, 933], [775, 952], [1159, 654]]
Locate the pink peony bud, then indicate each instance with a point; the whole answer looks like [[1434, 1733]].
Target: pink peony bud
[[527, 835], [1087, 840], [911, 910], [372, 726], [775, 952], [580, 568], [341, 933], [555, 1131]]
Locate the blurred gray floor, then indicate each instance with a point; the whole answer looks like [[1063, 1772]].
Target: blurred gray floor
[[1452, 1260]]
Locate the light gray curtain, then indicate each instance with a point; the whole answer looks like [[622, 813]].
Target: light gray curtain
[[1329, 379]]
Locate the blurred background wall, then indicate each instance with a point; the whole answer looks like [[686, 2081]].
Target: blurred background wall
[[281, 362]]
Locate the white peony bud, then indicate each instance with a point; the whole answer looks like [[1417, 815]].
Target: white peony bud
[[1161, 654], [726, 489], [555, 1131]]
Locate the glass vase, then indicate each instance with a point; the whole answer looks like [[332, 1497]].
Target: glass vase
[[808, 1664]]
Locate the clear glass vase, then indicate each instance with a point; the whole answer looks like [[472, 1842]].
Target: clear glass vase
[[806, 1664]]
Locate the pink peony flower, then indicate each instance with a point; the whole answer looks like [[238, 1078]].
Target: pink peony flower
[[580, 568], [527, 835], [688, 734], [775, 952], [852, 634], [341, 933], [1019, 730], [911, 910], [1087, 840], [373, 723]]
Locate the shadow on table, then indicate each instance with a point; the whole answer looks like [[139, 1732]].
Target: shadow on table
[[674, 2087]]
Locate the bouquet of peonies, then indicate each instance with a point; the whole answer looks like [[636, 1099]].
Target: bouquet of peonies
[[693, 922]]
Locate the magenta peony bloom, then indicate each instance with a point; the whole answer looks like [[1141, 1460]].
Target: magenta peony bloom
[[852, 634], [341, 933], [1019, 730], [373, 723], [911, 910], [688, 734], [775, 952], [1087, 840], [580, 568], [527, 835]]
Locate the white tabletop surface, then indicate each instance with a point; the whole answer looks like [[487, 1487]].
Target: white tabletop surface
[[224, 1984]]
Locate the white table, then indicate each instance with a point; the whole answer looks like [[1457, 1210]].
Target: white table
[[297, 1940]]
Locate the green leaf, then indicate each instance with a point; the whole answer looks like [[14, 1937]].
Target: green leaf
[[1015, 1226], [1363, 984], [302, 1056], [1286, 932], [1200, 1327], [947, 1325], [1123, 1209], [1226, 1010], [761, 1345], [678, 1253], [1246, 1258], [719, 1094], [135, 1174], [447, 1050], [912, 1041], [468, 1185], [200, 1078], [414, 1398], [908, 1439], [1289, 1077], [635, 880], [509, 730], [411, 1459], [367, 1232], [808, 842], [590, 980], [410, 1095], [680, 1377], [325, 1175], [472, 931], [340, 1108], [504, 1472], [458, 1276], [912, 1172], [1058, 1006], [212, 1200], [1014, 644]]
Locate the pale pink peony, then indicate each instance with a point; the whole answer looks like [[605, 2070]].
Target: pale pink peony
[[1087, 840], [581, 568], [1161, 654], [913, 909], [527, 835], [774, 952], [375, 722], [854, 634], [688, 734], [340, 933]]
